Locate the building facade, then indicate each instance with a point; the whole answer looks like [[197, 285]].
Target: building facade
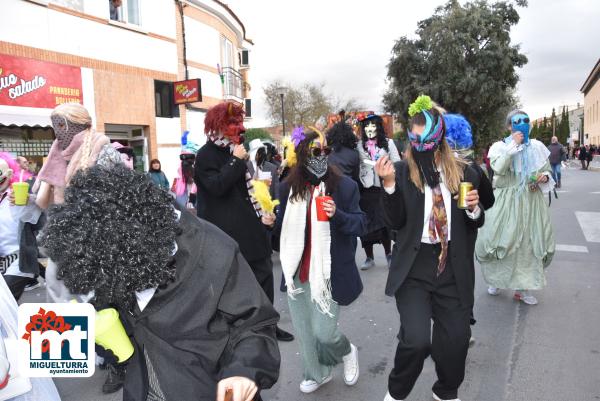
[[121, 64], [576, 124], [591, 105]]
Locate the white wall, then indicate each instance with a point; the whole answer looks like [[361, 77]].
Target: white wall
[[195, 124], [168, 130], [158, 16], [202, 43], [211, 82], [87, 88], [169, 162], [32, 25], [220, 12]]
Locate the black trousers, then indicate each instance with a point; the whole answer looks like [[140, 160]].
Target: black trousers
[[423, 297], [263, 271], [17, 284]]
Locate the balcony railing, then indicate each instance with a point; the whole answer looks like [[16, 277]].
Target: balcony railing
[[233, 84]]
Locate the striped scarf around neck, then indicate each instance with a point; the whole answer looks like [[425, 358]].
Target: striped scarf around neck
[[223, 142]]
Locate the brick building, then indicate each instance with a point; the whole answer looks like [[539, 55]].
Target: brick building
[[121, 66], [591, 104]]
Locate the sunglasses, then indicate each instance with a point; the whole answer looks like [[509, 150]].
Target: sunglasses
[[521, 120], [316, 152], [187, 156]]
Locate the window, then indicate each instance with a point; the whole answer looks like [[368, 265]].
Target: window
[[133, 11], [227, 52], [127, 11], [248, 107], [163, 100], [244, 58]]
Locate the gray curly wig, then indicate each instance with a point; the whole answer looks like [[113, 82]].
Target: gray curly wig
[[114, 234]]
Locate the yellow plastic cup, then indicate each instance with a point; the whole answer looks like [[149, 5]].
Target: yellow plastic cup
[[111, 334], [21, 191]]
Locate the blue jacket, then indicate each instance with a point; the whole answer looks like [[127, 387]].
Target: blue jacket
[[348, 223]]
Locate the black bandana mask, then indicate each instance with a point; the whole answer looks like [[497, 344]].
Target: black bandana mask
[[317, 165], [426, 164], [65, 130]]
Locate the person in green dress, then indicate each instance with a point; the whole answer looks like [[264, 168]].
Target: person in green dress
[[516, 243]]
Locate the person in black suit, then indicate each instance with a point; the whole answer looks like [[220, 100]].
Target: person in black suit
[[224, 193], [432, 270], [344, 155]]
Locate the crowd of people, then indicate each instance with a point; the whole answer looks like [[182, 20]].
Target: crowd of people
[[189, 267]]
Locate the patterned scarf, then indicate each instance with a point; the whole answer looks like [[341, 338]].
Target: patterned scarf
[[223, 142], [438, 226], [373, 149]]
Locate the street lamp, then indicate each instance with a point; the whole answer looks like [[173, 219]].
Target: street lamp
[[281, 92]]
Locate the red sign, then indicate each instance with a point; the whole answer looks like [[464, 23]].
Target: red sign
[[32, 83], [188, 91]]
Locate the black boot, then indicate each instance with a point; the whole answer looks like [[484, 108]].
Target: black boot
[[114, 378], [283, 335]]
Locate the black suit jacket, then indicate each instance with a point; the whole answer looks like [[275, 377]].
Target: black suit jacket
[[224, 201], [404, 213], [212, 322]]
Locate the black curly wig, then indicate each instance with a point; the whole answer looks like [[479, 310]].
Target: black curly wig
[[114, 234], [341, 135], [382, 141]]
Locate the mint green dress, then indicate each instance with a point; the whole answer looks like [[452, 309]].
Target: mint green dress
[[517, 241]]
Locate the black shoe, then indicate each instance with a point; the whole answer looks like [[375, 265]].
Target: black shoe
[[114, 378], [32, 284], [283, 335]]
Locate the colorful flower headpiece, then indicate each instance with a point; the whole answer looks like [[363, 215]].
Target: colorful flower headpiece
[[434, 127], [422, 103], [298, 135]]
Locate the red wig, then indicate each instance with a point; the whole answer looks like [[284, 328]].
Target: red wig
[[222, 115]]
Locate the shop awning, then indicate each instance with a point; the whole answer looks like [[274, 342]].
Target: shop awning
[[25, 116]]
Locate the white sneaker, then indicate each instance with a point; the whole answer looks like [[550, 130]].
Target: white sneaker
[[388, 397], [436, 398], [368, 264], [493, 290], [308, 386], [351, 366], [525, 297]]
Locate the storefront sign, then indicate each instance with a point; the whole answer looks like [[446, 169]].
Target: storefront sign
[[27, 82], [189, 91]]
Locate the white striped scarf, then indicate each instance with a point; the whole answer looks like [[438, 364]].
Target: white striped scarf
[[223, 142]]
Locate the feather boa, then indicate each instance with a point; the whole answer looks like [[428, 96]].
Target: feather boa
[[292, 246], [263, 196]]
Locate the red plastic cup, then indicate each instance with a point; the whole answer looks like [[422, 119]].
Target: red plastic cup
[[321, 214]]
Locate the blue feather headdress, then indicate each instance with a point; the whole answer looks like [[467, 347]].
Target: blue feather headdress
[[458, 131]]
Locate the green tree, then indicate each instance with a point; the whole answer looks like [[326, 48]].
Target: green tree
[[254, 133], [534, 130], [563, 128], [463, 58]]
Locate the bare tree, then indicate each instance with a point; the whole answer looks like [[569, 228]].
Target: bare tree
[[307, 104]]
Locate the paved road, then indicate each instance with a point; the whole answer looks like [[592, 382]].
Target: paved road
[[548, 352]]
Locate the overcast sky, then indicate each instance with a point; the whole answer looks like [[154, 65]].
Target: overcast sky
[[346, 44]]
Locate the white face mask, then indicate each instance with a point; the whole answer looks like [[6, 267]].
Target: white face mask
[[371, 130]]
